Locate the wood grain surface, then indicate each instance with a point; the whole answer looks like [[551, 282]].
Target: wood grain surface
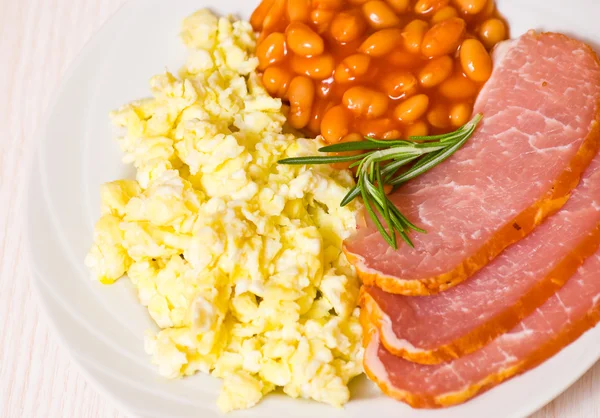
[[38, 41]]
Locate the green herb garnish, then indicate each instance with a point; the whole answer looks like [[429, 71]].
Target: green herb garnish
[[379, 166]]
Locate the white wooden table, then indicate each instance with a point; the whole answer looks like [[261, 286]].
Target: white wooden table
[[38, 40]]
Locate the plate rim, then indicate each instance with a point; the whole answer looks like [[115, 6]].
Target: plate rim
[[39, 136]]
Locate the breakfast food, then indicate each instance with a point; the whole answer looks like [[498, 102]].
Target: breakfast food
[[456, 322], [237, 258], [573, 310], [245, 246], [518, 168], [385, 69]]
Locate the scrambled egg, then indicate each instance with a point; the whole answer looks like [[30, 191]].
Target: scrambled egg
[[237, 258]]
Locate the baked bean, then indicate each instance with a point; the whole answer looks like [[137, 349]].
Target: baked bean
[[327, 4], [399, 85], [271, 50], [430, 6], [301, 93], [471, 7], [375, 128], [318, 68], [443, 14], [393, 134], [321, 19], [404, 59], [412, 109], [418, 128], [388, 69], [277, 80], [334, 125], [492, 31], [380, 15], [400, 6], [351, 67], [314, 125], [347, 26], [323, 88], [320, 107], [303, 40], [460, 114], [436, 71], [489, 9], [438, 116], [298, 10], [413, 34], [275, 18], [365, 102], [355, 137], [381, 42], [475, 60], [259, 14], [444, 37], [458, 87]]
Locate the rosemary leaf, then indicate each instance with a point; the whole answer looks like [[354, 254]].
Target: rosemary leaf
[[375, 218], [394, 166], [352, 194], [350, 146], [380, 167], [388, 143], [319, 160], [431, 162], [407, 224]]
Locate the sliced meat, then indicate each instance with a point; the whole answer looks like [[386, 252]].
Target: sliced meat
[[437, 328], [539, 132], [574, 309]]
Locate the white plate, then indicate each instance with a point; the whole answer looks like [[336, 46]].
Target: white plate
[[103, 326]]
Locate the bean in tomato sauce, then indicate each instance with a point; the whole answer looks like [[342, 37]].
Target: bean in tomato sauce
[[382, 68]]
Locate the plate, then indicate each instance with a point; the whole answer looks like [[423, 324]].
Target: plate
[[103, 326]]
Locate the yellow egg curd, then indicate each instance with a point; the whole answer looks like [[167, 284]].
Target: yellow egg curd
[[237, 258]]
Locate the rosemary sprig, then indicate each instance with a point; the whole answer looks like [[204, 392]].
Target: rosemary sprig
[[380, 165]]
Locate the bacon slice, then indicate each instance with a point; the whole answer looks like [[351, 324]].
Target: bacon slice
[[539, 133], [574, 309], [437, 328]]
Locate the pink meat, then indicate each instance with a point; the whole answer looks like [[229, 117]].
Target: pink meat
[[574, 309], [431, 329], [538, 134]]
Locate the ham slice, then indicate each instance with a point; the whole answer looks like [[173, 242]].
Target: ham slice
[[432, 329], [539, 132], [574, 309]]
